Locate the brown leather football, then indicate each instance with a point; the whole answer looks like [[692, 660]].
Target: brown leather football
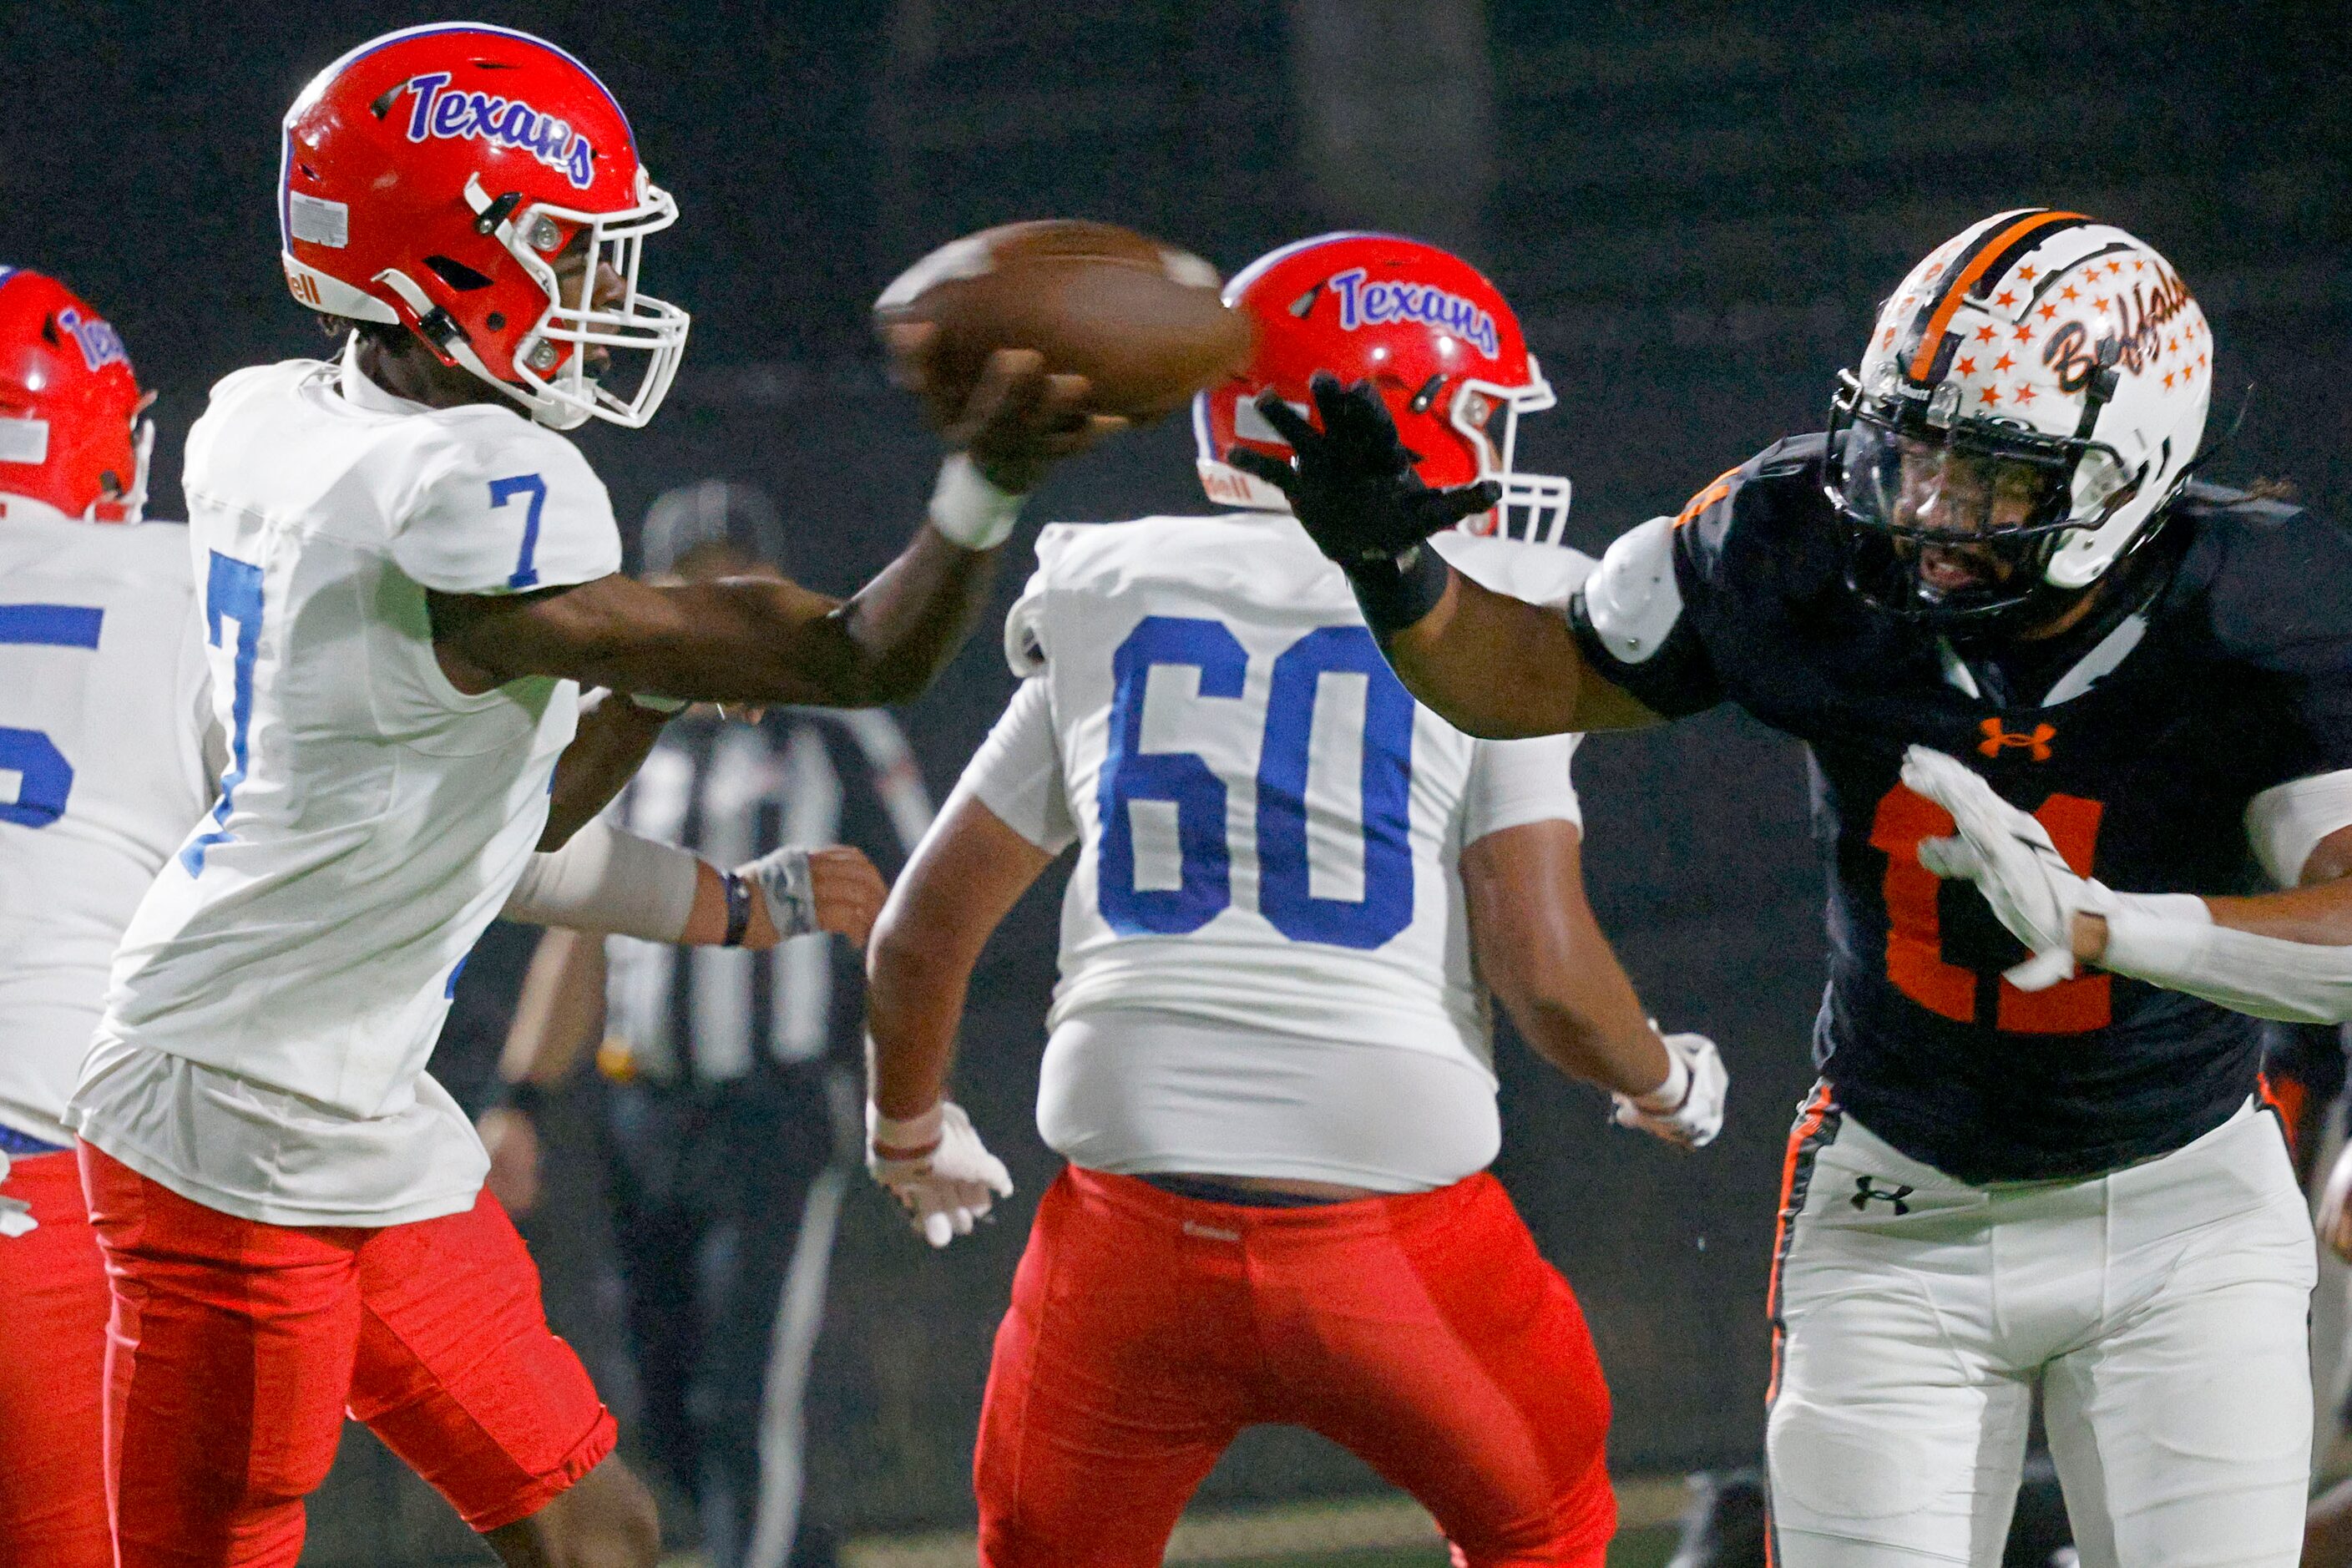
[[1139, 320]]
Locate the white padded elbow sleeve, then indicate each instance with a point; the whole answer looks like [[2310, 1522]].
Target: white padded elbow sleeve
[[2161, 940], [608, 879]]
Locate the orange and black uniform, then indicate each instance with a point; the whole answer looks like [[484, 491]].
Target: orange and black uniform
[[2222, 666]]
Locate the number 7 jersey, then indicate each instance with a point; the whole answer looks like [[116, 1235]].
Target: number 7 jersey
[[305, 939], [1269, 823]]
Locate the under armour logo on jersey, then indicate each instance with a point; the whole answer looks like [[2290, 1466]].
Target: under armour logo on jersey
[[2035, 742], [99, 343], [1364, 304], [1866, 1190], [451, 114]]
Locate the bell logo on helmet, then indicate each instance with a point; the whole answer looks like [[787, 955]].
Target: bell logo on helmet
[[1370, 305], [99, 343], [453, 114]]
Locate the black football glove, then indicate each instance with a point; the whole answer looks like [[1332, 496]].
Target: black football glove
[[1353, 489]]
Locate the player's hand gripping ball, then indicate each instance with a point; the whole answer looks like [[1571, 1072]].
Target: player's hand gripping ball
[[1352, 485], [1030, 341], [946, 1188]]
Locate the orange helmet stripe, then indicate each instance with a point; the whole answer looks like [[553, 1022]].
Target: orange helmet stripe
[[1924, 361]]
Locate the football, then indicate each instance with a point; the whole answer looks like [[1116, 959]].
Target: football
[[1141, 320]]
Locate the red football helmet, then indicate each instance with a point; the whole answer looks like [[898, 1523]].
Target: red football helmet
[[71, 439], [434, 177], [1422, 325]]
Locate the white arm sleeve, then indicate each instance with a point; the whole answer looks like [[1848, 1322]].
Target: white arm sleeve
[[2171, 939], [1517, 782], [2285, 823], [608, 879], [1017, 771]]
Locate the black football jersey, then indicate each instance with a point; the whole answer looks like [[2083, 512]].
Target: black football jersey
[[2137, 740]]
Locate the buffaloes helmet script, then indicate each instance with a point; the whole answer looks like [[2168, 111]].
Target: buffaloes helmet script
[[2032, 399], [70, 435], [1424, 326], [439, 177]]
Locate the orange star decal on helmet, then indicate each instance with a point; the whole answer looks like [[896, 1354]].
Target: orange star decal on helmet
[[2004, 362], [1984, 334], [2068, 292], [2023, 394], [1989, 394], [2047, 312], [2027, 273], [1966, 367], [2005, 298], [2024, 334]]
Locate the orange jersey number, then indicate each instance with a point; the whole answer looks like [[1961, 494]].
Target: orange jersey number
[[1915, 944]]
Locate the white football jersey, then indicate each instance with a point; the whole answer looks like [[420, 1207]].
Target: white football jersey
[[103, 721], [1269, 831], [282, 984]]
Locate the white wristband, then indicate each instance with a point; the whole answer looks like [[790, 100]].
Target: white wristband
[[921, 1132], [967, 510], [1669, 1095]]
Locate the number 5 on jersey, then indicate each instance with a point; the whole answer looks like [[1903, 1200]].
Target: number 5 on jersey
[[1185, 780]]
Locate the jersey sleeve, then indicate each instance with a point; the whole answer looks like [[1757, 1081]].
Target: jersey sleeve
[[2282, 603], [1635, 623], [1017, 771], [1513, 783], [505, 507]]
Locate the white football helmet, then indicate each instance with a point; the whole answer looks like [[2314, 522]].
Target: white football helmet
[[2035, 391]]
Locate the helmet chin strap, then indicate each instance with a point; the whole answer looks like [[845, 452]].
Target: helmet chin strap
[[434, 327]]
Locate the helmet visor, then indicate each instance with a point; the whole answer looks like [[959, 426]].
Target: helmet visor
[[1963, 518]]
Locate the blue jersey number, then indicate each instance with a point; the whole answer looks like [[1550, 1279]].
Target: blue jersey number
[[44, 777], [526, 572], [232, 595], [1186, 781]]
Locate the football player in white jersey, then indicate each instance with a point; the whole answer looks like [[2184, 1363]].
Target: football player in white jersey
[[114, 751], [403, 574], [1269, 1061]]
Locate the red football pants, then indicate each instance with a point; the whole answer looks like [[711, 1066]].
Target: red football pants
[[53, 1307], [1424, 1333], [235, 1348]]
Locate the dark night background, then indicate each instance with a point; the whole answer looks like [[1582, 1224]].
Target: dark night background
[[1694, 209]]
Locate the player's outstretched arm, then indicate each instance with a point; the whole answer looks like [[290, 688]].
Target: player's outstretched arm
[[962, 880], [2285, 955], [1542, 953], [1489, 664], [765, 641]]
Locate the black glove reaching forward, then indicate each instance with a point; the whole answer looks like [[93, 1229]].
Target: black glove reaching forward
[[1353, 489]]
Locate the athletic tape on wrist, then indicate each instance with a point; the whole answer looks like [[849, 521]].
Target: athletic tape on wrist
[[1673, 1093], [922, 1131], [967, 510]]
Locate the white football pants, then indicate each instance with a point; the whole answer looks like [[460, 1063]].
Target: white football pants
[[2162, 1310]]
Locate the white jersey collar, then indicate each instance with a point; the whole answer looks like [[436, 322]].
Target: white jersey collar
[[361, 393]]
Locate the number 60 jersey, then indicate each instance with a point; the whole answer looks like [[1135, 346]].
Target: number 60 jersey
[[1265, 964], [282, 984]]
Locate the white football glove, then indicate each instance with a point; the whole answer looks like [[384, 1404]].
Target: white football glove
[[948, 1190], [15, 1214], [2008, 854], [1687, 1109]]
